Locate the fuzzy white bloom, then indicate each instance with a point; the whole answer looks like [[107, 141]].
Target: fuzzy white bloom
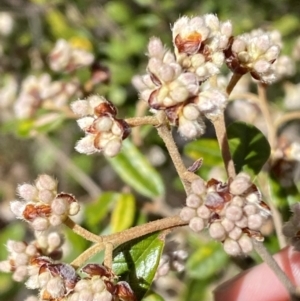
[[65, 57]]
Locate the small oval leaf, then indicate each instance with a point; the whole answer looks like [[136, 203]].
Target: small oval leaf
[[249, 147], [137, 261], [123, 214], [135, 170]]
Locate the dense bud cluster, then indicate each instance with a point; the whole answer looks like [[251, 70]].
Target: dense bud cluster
[[292, 228], [66, 57], [61, 282], [253, 52], [233, 212], [104, 132], [42, 206], [38, 92], [20, 254], [199, 43]]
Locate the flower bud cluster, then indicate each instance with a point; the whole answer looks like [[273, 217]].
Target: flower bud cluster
[[199, 43], [165, 85], [171, 261], [40, 92], [20, 254], [291, 229], [65, 57], [42, 206], [104, 132], [233, 212], [254, 52], [59, 281]]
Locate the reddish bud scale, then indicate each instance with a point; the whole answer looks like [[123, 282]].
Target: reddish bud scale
[[190, 44], [124, 291], [125, 128], [253, 234], [67, 196], [33, 211], [93, 269], [105, 108]]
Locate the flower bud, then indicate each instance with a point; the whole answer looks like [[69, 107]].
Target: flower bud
[[227, 224], [112, 148], [203, 212], [45, 182], [187, 213], [55, 287], [235, 233], [234, 213], [27, 192], [193, 201], [255, 221], [198, 186], [40, 224], [231, 247], [217, 231], [245, 244], [59, 206], [196, 224]]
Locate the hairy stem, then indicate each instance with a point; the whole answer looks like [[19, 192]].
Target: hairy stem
[[146, 120], [273, 265], [108, 255], [263, 103], [87, 254], [185, 176], [233, 81], [220, 128], [82, 232], [109, 242], [286, 118]]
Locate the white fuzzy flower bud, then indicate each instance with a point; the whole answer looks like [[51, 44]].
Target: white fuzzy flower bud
[[59, 206], [196, 224], [217, 231], [232, 247], [86, 145], [240, 184], [227, 224], [40, 224], [45, 182], [235, 233], [27, 192], [112, 148], [198, 186], [17, 208], [203, 212], [234, 213], [55, 287], [193, 201], [81, 107], [245, 244], [187, 213], [255, 221]]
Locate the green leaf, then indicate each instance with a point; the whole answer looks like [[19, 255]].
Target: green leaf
[[206, 261], [135, 170], [208, 149], [96, 211], [123, 214], [14, 231], [248, 146], [153, 297], [137, 262]]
